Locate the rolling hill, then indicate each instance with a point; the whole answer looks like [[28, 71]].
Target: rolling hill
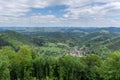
[[93, 40], [14, 39]]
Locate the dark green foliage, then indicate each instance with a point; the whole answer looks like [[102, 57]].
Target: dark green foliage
[[39, 41], [15, 39], [4, 43], [114, 44]]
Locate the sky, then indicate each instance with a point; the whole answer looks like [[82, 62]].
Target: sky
[[60, 13]]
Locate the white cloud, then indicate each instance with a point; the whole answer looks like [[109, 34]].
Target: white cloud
[[91, 10], [79, 13]]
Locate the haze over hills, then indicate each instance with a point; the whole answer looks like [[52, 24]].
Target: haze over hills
[[53, 29]]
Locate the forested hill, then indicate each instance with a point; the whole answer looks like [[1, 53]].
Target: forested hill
[[14, 39], [59, 54], [91, 38], [113, 44]]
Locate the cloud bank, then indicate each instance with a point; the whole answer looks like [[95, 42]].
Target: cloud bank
[[40, 13]]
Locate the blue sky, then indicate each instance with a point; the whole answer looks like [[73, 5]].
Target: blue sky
[[60, 13], [52, 10]]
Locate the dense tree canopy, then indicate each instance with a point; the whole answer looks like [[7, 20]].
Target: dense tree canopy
[[26, 64]]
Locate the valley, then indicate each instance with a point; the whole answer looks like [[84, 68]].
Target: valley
[[57, 53], [89, 40]]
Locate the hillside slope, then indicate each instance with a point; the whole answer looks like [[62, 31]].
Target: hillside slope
[[15, 39]]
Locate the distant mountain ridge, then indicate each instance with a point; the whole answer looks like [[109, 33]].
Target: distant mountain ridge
[[63, 29]]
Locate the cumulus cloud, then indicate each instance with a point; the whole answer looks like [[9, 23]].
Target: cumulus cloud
[[78, 13]]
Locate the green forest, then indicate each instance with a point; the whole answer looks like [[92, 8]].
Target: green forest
[[60, 54]]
